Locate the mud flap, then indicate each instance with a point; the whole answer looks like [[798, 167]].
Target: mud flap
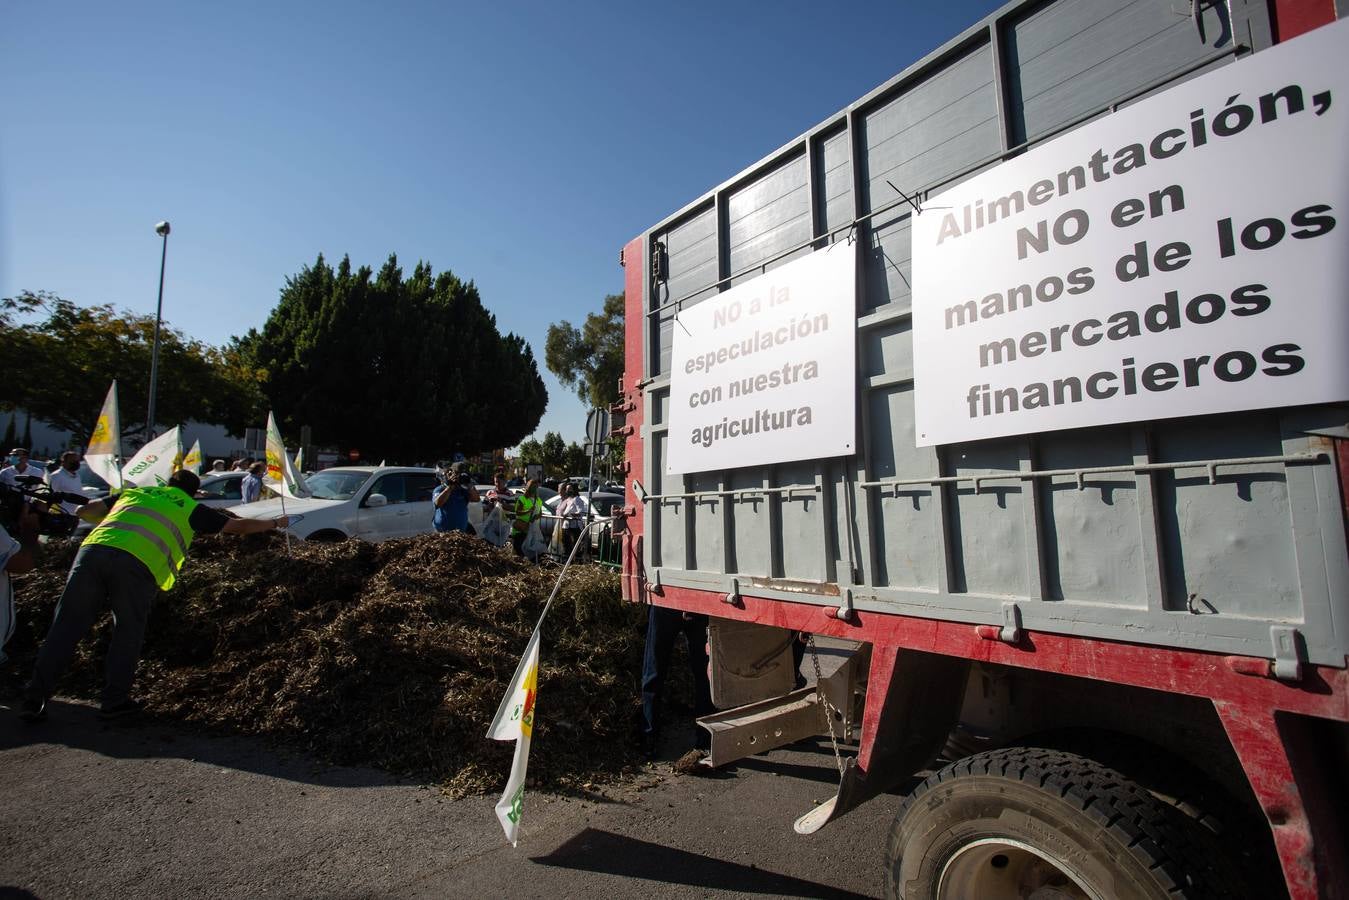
[[913, 701], [750, 662]]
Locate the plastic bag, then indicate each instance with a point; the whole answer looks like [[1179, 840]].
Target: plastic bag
[[494, 530], [534, 545], [556, 547]]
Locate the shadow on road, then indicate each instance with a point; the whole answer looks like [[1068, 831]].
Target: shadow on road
[[593, 850], [13, 893], [77, 726], [820, 774]]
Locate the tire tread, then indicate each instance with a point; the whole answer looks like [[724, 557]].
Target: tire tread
[[1164, 840]]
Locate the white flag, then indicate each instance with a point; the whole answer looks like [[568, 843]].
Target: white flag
[[514, 721], [154, 463], [192, 462], [281, 476], [104, 452]]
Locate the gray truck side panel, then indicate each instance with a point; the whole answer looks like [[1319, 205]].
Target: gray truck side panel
[[1169, 556]]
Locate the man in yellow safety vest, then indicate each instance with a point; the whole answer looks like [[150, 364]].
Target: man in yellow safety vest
[[137, 549], [528, 510]]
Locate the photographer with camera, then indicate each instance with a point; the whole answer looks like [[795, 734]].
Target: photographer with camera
[[451, 499], [18, 467], [137, 549], [29, 495]]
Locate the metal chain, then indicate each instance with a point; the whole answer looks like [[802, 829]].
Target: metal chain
[[826, 708]]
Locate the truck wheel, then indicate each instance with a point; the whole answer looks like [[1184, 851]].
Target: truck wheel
[[1040, 824], [327, 536]]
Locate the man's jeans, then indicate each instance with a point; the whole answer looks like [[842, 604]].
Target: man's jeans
[[663, 626], [102, 577]]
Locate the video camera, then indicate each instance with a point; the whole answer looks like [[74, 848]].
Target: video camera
[[44, 502], [449, 474]]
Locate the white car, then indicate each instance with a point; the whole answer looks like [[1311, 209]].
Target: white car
[[222, 489], [374, 503]]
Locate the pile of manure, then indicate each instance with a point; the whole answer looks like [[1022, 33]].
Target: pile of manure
[[393, 655]]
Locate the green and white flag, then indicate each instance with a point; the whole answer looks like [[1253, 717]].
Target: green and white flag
[[514, 721], [154, 463]]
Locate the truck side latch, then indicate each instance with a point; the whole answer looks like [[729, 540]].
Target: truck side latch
[[1289, 653], [1010, 630]]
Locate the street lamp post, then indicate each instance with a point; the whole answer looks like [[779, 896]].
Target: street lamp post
[[161, 229]]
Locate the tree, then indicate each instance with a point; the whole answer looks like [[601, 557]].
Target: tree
[[10, 435], [576, 460], [589, 358], [531, 452], [554, 453], [409, 368], [57, 360]]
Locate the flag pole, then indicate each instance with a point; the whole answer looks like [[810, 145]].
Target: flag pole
[[287, 528]]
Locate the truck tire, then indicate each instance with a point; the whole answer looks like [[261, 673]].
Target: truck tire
[[327, 536], [1246, 844], [1036, 824]]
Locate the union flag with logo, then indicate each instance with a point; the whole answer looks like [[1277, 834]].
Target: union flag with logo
[[514, 721]]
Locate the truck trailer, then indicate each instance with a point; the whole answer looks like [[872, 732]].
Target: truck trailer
[[1085, 630]]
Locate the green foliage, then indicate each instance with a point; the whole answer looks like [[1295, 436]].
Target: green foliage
[[554, 453], [530, 452], [401, 368], [57, 360], [576, 461], [589, 358], [615, 451]]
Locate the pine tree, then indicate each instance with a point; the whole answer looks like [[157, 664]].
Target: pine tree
[[340, 344], [11, 435], [28, 432]]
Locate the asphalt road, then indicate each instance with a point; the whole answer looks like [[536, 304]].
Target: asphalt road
[[90, 810]]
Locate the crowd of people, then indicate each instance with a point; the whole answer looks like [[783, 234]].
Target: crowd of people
[[507, 514], [141, 538]]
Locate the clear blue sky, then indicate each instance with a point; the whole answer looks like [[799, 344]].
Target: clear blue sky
[[519, 145]]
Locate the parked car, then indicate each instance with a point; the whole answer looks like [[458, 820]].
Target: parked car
[[373, 503], [222, 490], [91, 484], [601, 511]]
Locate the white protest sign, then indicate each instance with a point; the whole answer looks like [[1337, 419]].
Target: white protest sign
[[766, 372], [1185, 255]]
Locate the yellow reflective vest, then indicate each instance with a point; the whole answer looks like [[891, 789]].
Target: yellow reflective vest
[[150, 523], [527, 511]]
